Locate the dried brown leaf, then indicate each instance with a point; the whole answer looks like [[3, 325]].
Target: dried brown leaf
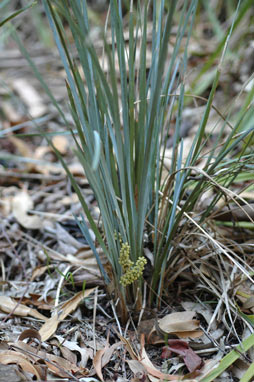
[[97, 362], [39, 271], [58, 365], [21, 203], [30, 97], [191, 334], [137, 368], [108, 353], [8, 305], [51, 324], [68, 354], [85, 353], [24, 149], [129, 348], [10, 356], [35, 299], [61, 143], [178, 322], [29, 333]]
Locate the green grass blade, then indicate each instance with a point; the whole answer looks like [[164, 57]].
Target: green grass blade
[[16, 13], [249, 374], [229, 359], [84, 229], [214, 56]]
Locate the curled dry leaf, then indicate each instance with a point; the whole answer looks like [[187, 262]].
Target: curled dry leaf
[[57, 365], [8, 305], [108, 353], [68, 354], [36, 300], [154, 374], [97, 362], [21, 204], [51, 324], [180, 324], [10, 356], [102, 357], [137, 368], [29, 333], [84, 352]]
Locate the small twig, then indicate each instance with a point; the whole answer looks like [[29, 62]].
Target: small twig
[[63, 275], [103, 311], [143, 304], [94, 318], [116, 318], [211, 339], [3, 273], [15, 174], [36, 121], [57, 217], [244, 356]]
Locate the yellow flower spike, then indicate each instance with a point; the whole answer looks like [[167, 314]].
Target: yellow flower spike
[[131, 272], [124, 259]]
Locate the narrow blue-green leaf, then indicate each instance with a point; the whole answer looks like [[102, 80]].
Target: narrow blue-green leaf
[[145, 179], [215, 23], [97, 150], [58, 31], [214, 56], [84, 229], [4, 3], [18, 12]]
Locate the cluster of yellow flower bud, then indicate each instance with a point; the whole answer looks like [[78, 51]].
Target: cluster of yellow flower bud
[[124, 259], [131, 272]]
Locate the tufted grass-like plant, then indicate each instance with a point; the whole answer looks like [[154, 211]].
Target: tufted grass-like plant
[[122, 116]]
